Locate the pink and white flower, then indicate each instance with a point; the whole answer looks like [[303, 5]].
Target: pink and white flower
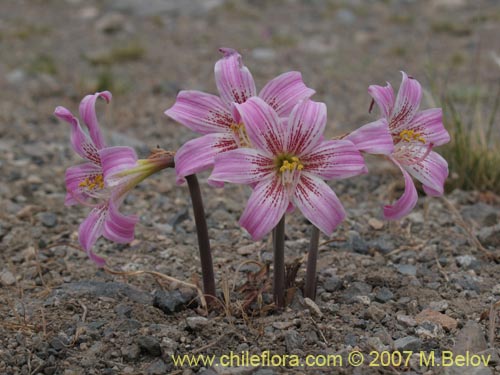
[[102, 182], [287, 166], [414, 134], [212, 117]]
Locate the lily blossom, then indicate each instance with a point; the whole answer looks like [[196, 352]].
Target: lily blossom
[[414, 134], [103, 181], [212, 116], [287, 166]]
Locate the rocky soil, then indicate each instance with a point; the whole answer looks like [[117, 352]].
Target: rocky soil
[[424, 283]]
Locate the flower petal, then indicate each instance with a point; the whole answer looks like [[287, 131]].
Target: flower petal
[[334, 159], [75, 175], [242, 166], [432, 172], [318, 203], [202, 113], [262, 125], [407, 103], [80, 142], [116, 159], [429, 124], [285, 91], [373, 138], [198, 154], [406, 202], [90, 230], [118, 227], [89, 117], [384, 97], [305, 128], [233, 79], [265, 208]]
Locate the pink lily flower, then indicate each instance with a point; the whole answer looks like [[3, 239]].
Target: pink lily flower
[[414, 134], [103, 181], [212, 116], [287, 166]]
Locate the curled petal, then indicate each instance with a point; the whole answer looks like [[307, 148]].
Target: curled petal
[[118, 227], [429, 124], [318, 203], [285, 91], [202, 113], [335, 159], [432, 172], [406, 202], [198, 154], [384, 97], [89, 117], [80, 142], [115, 160], [265, 208], [306, 125], [263, 126], [242, 166], [373, 138], [75, 176], [234, 81], [407, 103], [90, 230]]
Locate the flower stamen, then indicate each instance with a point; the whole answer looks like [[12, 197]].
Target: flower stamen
[[408, 135], [240, 134], [93, 182]]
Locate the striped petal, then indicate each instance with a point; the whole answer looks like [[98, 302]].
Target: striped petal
[[265, 208], [335, 159], [89, 117], [75, 176], [115, 160], [234, 81], [384, 97], [90, 230], [305, 128], [429, 124], [242, 166], [118, 227], [373, 138], [318, 203], [407, 103], [432, 172], [199, 154], [262, 125], [202, 113], [406, 202], [285, 91]]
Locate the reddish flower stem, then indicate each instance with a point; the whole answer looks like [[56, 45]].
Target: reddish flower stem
[[312, 260], [207, 268], [279, 264]]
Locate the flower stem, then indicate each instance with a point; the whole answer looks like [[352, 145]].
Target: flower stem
[[279, 264], [312, 259], [207, 268]]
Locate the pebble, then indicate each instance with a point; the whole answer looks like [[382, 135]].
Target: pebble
[[438, 305], [356, 243], [250, 249], [158, 367], [150, 345], [48, 219], [293, 340], [356, 289], [375, 223], [332, 284], [406, 320], [468, 262], [172, 301], [384, 295], [197, 323], [445, 321], [408, 343], [375, 313], [429, 330], [7, 278], [313, 307], [130, 352], [490, 236], [496, 290], [406, 269]]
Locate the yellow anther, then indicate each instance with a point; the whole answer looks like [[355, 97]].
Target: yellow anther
[[410, 135], [93, 182]]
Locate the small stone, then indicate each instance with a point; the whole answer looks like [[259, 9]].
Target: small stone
[[406, 320], [470, 339], [375, 223], [408, 343], [250, 249], [158, 367], [356, 289], [383, 244], [172, 301], [416, 217], [436, 317], [429, 330], [375, 343], [197, 322], [150, 345], [468, 261], [131, 352], [7, 278], [313, 307], [375, 313], [332, 284], [356, 243], [48, 219], [438, 305], [384, 295], [293, 340], [283, 325], [406, 269], [490, 236], [179, 217], [496, 290]]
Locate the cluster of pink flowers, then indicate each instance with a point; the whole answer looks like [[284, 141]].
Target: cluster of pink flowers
[[271, 141]]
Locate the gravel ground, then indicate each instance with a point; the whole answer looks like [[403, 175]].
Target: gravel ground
[[423, 283]]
